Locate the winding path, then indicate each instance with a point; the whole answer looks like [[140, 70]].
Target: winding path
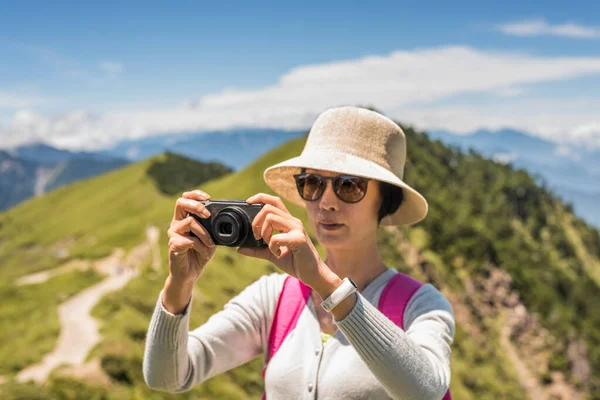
[[79, 331]]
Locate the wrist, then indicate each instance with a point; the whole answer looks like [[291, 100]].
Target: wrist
[[180, 282], [177, 294], [328, 285]]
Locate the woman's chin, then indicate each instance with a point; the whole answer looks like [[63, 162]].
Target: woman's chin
[[330, 241]]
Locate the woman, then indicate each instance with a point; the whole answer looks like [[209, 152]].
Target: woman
[[349, 179]]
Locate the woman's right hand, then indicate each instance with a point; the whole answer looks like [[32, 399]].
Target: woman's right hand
[[188, 255]]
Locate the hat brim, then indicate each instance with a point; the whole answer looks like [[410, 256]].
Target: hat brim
[[280, 179]]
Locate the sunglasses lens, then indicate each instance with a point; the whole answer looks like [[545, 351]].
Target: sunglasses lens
[[310, 186], [351, 189]]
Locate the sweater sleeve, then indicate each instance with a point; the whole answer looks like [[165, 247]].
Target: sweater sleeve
[[176, 359], [413, 363]]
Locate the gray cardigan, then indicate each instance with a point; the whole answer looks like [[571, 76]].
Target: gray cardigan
[[368, 357]]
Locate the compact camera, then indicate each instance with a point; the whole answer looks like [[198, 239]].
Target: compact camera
[[230, 222]]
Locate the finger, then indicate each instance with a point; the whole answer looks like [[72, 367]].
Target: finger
[[201, 233], [184, 206], [179, 244], [196, 195], [282, 241], [259, 219], [267, 199], [266, 231], [262, 214], [195, 244], [190, 224], [269, 210], [199, 246]]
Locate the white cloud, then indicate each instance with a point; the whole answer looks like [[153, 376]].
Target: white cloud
[[563, 121], [12, 100], [415, 87], [510, 92], [567, 152], [539, 27], [111, 68], [505, 158]]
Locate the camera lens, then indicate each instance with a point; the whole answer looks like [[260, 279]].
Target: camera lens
[[226, 228], [230, 226]]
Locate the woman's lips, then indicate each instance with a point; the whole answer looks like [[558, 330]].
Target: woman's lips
[[330, 227]]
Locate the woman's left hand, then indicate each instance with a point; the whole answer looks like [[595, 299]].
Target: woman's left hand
[[291, 250]]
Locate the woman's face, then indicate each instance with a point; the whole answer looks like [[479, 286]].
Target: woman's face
[[353, 223]]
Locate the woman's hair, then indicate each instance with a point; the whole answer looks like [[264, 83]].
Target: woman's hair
[[391, 196]]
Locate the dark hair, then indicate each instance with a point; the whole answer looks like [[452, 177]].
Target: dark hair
[[392, 197]]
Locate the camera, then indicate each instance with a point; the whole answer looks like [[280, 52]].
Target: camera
[[230, 222]]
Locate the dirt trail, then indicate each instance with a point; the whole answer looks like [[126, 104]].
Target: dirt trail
[[79, 331], [40, 277], [526, 377]]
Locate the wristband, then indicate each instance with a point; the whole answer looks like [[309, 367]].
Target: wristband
[[344, 290]]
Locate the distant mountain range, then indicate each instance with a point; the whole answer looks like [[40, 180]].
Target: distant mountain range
[[35, 169], [38, 168], [234, 148], [571, 172]]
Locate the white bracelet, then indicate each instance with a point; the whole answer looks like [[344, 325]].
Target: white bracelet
[[344, 290]]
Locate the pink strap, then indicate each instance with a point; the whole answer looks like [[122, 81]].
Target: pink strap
[[292, 299], [396, 295], [394, 299]]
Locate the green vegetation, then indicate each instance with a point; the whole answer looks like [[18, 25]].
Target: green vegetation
[[89, 219], [176, 174], [30, 318], [481, 212], [58, 388]]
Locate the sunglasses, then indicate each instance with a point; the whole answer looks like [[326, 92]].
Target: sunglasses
[[348, 188]]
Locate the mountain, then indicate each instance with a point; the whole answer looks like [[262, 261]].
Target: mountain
[[521, 270], [43, 154], [40, 168], [234, 148], [35, 169], [17, 179], [572, 172]]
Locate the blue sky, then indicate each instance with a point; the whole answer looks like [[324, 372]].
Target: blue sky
[[74, 73]]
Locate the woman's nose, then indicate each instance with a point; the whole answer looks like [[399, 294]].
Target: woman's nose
[[328, 200]]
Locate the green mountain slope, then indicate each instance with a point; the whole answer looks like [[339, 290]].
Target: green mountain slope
[[519, 268], [81, 221]]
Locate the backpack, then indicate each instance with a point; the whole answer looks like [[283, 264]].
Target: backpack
[[294, 295]]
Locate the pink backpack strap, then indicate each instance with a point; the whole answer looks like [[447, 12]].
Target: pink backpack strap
[[292, 299], [396, 295], [394, 299]]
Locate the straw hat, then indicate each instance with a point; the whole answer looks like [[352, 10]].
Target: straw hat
[[354, 141]]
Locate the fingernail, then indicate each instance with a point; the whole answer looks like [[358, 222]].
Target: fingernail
[[251, 198], [205, 213]]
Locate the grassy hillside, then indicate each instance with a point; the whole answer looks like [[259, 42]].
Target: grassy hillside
[[494, 242], [85, 220]]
